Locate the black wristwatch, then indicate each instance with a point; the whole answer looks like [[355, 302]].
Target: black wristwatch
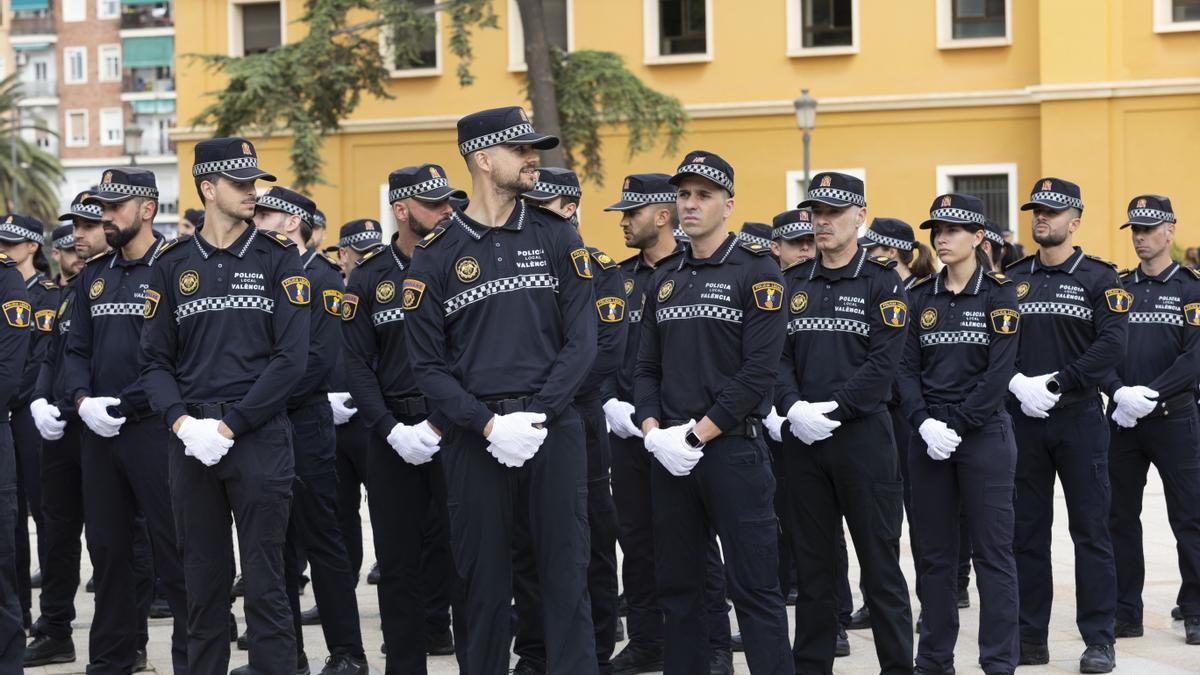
[[1053, 386], [693, 440]]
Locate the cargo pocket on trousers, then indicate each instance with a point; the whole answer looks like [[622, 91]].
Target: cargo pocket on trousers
[[889, 508], [998, 502], [756, 560]]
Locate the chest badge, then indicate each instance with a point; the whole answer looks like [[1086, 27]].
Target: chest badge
[[929, 318], [1191, 314], [385, 292], [895, 313], [611, 309], [665, 290], [466, 269], [349, 306], [628, 287], [1005, 321], [298, 290], [1119, 300], [332, 301], [16, 313], [768, 295], [414, 290], [799, 302], [151, 305], [582, 262], [44, 318], [95, 289], [1022, 290], [189, 282]]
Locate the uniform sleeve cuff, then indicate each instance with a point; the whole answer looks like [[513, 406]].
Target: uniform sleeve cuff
[[785, 404], [480, 419], [236, 422], [1066, 381], [721, 417], [643, 413], [174, 412], [840, 413], [385, 424], [918, 418]]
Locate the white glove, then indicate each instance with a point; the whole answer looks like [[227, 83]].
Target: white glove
[[809, 422], [1036, 400], [92, 412], [940, 439], [774, 424], [46, 418], [514, 440], [202, 440], [414, 443], [337, 403], [672, 451], [1137, 402], [620, 418], [1124, 418]]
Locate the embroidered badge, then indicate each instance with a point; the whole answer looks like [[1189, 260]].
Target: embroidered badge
[[929, 318], [665, 290], [799, 302], [384, 292], [189, 282], [895, 313], [16, 313], [1005, 321], [297, 289], [349, 306], [44, 320], [768, 295], [151, 306], [611, 309], [96, 289], [466, 269], [1119, 300], [332, 301], [1022, 290], [628, 287], [583, 264], [414, 290]]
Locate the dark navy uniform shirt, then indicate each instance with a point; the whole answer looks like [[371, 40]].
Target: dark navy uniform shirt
[[612, 329], [636, 273], [498, 312], [43, 296], [711, 333], [960, 350], [226, 325], [1164, 332], [325, 331], [106, 328], [1073, 319], [15, 331], [845, 335], [52, 376]]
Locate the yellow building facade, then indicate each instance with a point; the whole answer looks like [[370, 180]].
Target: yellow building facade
[[1105, 93]]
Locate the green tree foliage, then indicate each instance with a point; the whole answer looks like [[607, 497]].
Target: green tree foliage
[[37, 172]]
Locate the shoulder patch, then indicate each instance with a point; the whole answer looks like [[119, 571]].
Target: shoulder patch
[[998, 278], [882, 260], [278, 238], [923, 280], [602, 259], [432, 236], [756, 249], [579, 258], [171, 244], [349, 306], [16, 313], [1101, 260], [44, 320], [48, 284], [1011, 265], [297, 289], [331, 300]]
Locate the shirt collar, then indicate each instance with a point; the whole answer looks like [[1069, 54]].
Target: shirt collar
[[37, 276], [972, 287], [118, 260], [1162, 278], [1069, 265], [476, 230], [402, 261], [237, 249], [717, 258], [850, 271], [640, 261]]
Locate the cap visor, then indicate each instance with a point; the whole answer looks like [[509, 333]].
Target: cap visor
[[366, 245], [249, 173], [13, 238], [624, 206], [867, 243], [538, 141], [1033, 204], [837, 203], [1145, 222], [928, 225], [73, 214], [441, 194], [107, 198], [538, 195]]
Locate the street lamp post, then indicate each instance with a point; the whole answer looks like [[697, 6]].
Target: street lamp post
[[133, 143], [806, 119]]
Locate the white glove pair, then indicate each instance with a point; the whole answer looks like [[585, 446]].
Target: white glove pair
[[672, 451], [514, 440], [1133, 403], [774, 424], [416, 444], [619, 415], [940, 440], [337, 403], [202, 440], [809, 421], [1036, 400], [93, 411], [46, 418]]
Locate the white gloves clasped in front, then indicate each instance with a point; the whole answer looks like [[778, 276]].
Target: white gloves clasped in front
[[672, 451], [774, 424], [809, 421], [337, 403], [514, 440], [202, 440], [1133, 403], [1036, 400], [46, 418], [620, 418], [940, 440], [416, 444], [93, 411]]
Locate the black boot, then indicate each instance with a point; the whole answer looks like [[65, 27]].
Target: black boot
[[843, 643], [45, 650], [635, 659], [860, 619], [310, 617], [440, 643], [1098, 659]]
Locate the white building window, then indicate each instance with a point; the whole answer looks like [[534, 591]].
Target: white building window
[[560, 30], [256, 26], [75, 65], [795, 183], [112, 126], [110, 63], [995, 184], [77, 128], [963, 24], [74, 10], [1174, 16], [822, 27], [429, 58], [677, 31], [108, 9]]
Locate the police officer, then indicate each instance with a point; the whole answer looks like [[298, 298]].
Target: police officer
[[14, 349], [1073, 316], [318, 230], [499, 316], [710, 341], [792, 237], [847, 316], [313, 531], [355, 239], [192, 220], [953, 384], [224, 344], [1153, 403]]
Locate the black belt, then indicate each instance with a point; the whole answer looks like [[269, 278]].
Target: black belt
[[313, 399], [132, 414], [943, 411], [751, 427], [1074, 396], [211, 411], [408, 407], [1175, 404], [507, 406]]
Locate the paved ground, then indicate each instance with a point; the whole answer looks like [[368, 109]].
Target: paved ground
[[1162, 651]]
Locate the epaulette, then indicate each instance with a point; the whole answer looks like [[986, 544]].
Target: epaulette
[[171, 244], [602, 259], [1101, 260], [923, 280], [1195, 272], [372, 253], [1126, 272], [667, 257], [432, 236], [332, 263], [102, 256], [998, 277], [48, 284], [7, 260], [882, 261], [1013, 264], [277, 237], [756, 249], [630, 261]]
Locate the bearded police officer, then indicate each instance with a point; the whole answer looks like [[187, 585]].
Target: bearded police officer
[[14, 349]]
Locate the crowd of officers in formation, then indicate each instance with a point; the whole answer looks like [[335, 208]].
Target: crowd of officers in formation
[[516, 403]]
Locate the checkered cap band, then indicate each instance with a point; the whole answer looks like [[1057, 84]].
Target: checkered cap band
[[284, 205], [957, 214], [829, 325], [680, 312], [360, 237], [1156, 214], [418, 189], [650, 198], [118, 309], [754, 239], [498, 286], [565, 190], [887, 241], [1166, 318], [1056, 309], [223, 302], [715, 175], [131, 190], [495, 138], [65, 242], [955, 337], [18, 230], [90, 209], [387, 316], [789, 229], [223, 165], [994, 237], [1057, 197], [634, 316], [838, 194]]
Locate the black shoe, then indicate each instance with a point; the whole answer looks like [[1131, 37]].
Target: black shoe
[[920, 620], [302, 664], [791, 598], [383, 648], [239, 587], [1191, 628], [735, 642], [622, 606], [310, 617], [1177, 613], [860, 619], [160, 609], [340, 664], [635, 659], [529, 667], [373, 575], [140, 663], [303, 583], [35, 581], [91, 585], [998, 672], [927, 671], [721, 663], [233, 631], [1034, 654], [619, 636], [964, 598], [243, 642], [1098, 659], [440, 644], [843, 643], [45, 650], [1128, 629]]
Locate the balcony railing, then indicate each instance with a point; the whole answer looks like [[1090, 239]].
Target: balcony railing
[[136, 84], [147, 16], [32, 23], [39, 88]]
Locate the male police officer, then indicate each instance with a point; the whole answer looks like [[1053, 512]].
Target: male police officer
[[498, 309], [845, 336], [224, 344], [313, 531], [1073, 315], [355, 239], [318, 230], [792, 237], [192, 220], [123, 466], [710, 341], [1154, 391], [14, 349], [405, 481]]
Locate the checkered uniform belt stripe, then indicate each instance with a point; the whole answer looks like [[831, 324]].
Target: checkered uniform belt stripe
[[420, 188], [1057, 197], [18, 230], [838, 194], [118, 309], [387, 316], [1056, 309], [883, 240], [223, 302], [955, 337], [1152, 213], [278, 204], [698, 312], [223, 165], [792, 228], [64, 326], [648, 198], [1167, 318], [754, 239], [359, 237], [829, 325], [565, 190], [65, 242], [635, 316], [710, 173], [957, 214], [498, 286], [89, 209], [495, 138], [131, 190]]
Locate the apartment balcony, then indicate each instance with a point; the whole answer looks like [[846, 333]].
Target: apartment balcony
[[156, 15], [147, 83], [39, 22], [39, 89]]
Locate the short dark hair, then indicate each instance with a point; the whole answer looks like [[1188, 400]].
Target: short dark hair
[[306, 230], [211, 178]]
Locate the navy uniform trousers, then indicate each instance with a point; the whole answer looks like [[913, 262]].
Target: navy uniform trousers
[[979, 477], [351, 476], [12, 634], [28, 444], [1172, 444], [1072, 443], [61, 530]]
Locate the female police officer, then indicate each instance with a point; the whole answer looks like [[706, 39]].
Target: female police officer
[[953, 381]]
